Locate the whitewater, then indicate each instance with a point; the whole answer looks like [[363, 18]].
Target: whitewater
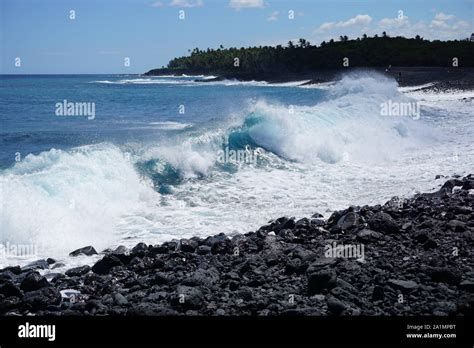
[[144, 172]]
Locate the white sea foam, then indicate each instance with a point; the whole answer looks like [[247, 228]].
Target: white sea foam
[[63, 200], [340, 151], [170, 125]]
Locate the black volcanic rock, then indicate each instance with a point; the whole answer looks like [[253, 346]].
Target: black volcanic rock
[[383, 222], [445, 275], [39, 264], [9, 289], [188, 245], [283, 268], [403, 285], [88, 251], [369, 236], [106, 264], [33, 281], [320, 280], [78, 271], [42, 298]]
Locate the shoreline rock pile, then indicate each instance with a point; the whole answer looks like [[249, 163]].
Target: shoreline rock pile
[[406, 257]]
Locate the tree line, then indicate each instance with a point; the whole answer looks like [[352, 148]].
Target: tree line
[[302, 56]]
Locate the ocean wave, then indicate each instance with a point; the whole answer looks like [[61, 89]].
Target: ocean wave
[[314, 158], [346, 126], [170, 125], [141, 82], [189, 81], [440, 95], [415, 88], [60, 200]]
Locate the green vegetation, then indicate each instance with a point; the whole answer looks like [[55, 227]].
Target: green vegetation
[[299, 57]]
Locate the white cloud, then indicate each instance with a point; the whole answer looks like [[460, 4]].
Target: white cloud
[[179, 3], [360, 19], [440, 20], [273, 16], [186, 3], [239, 4], [440, 27], [443, 17], [396, 22], [439, 24], [461, 25]]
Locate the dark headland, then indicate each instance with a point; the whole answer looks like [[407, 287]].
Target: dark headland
[[410, 61], [417, 259]]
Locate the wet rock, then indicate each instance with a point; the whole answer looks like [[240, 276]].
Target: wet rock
[[378, 293], [445, 275], [40, 264], [77, 271], [421, 236], [120, 300], [188, 298], [348, 221], [203, 250], [57, 265], [160, 279], [106, 264], [320, 263], [335, 306], [42, 298], [204, 277], [140, 249], [467, 285], [188, 245], [33, 281], [9, 303], [450, 184], [9, 289], [88, 251], [384, 223], [456, 225], [369, 236], [319, 280], [430, 244], [403, 285]]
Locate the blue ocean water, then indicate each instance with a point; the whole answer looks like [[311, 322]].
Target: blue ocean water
[[155, 163], [128, 108]]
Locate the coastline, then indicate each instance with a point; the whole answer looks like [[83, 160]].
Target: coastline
[[442, 77], [405, 257]]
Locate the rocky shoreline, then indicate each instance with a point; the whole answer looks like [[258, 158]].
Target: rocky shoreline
[[406, 257], [442, 78]]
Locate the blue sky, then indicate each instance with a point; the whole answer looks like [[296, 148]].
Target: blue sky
[[149, 32]]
